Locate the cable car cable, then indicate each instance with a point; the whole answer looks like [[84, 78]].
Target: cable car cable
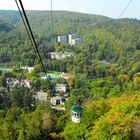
[[52, 22], [32, 36], [24, 22], [125, 9]]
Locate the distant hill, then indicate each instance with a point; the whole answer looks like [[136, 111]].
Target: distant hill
[[9, 16], [112, 37], [5, 26], [13, 17], [64, 22]]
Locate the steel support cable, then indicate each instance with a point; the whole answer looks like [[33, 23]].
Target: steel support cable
[[25, 25], [32, 36], [125, 9], [52, 22]]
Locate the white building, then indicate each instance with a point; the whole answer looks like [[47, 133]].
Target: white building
[[72, 37], [58, 100], [76, 41], [12, 82], [62, 39], [30, 69], [61, 87], [57, 55], [65, 75], [26, 83], [105, 62], [60, 55]]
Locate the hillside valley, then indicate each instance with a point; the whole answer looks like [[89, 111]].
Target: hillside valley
[[101, 75]]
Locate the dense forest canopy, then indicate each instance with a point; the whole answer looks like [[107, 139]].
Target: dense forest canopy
[[105, 77]]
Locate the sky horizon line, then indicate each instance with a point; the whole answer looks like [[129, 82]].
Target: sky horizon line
[[112, 9], [70, 11]]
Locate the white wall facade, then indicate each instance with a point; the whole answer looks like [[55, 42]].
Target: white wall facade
[[72, 37], [62, 39]]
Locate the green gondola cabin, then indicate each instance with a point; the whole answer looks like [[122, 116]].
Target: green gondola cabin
[[76, 114]]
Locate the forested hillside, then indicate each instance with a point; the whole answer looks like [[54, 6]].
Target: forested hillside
[[115, 40], [105, 77]]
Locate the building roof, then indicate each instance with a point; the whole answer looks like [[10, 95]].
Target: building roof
[[60, 85], [77, 109], [105, 62]]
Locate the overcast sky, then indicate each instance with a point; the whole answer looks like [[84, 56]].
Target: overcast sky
[[110, 8]]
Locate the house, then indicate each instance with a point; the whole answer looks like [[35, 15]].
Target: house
[[60, 95], [57, 55], [71, 37], [61, 90], [61, 87], [60, 55], [29, 69], [74, 40], [27, 83], [105, 62], [65, 76], [42, 96], [12, 82], [58, 100], [62, 39]]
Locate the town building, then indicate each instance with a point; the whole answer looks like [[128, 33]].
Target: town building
[[60, 55], [58, 100], [61, 88], [29, 69], [26, 83], [71, 37], [57, 55], [60, 95], [76, 41], [62, 39], [65, 75], [105, 62], [12, 82]]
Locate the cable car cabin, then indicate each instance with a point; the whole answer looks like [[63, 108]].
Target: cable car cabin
[[76, 114]]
